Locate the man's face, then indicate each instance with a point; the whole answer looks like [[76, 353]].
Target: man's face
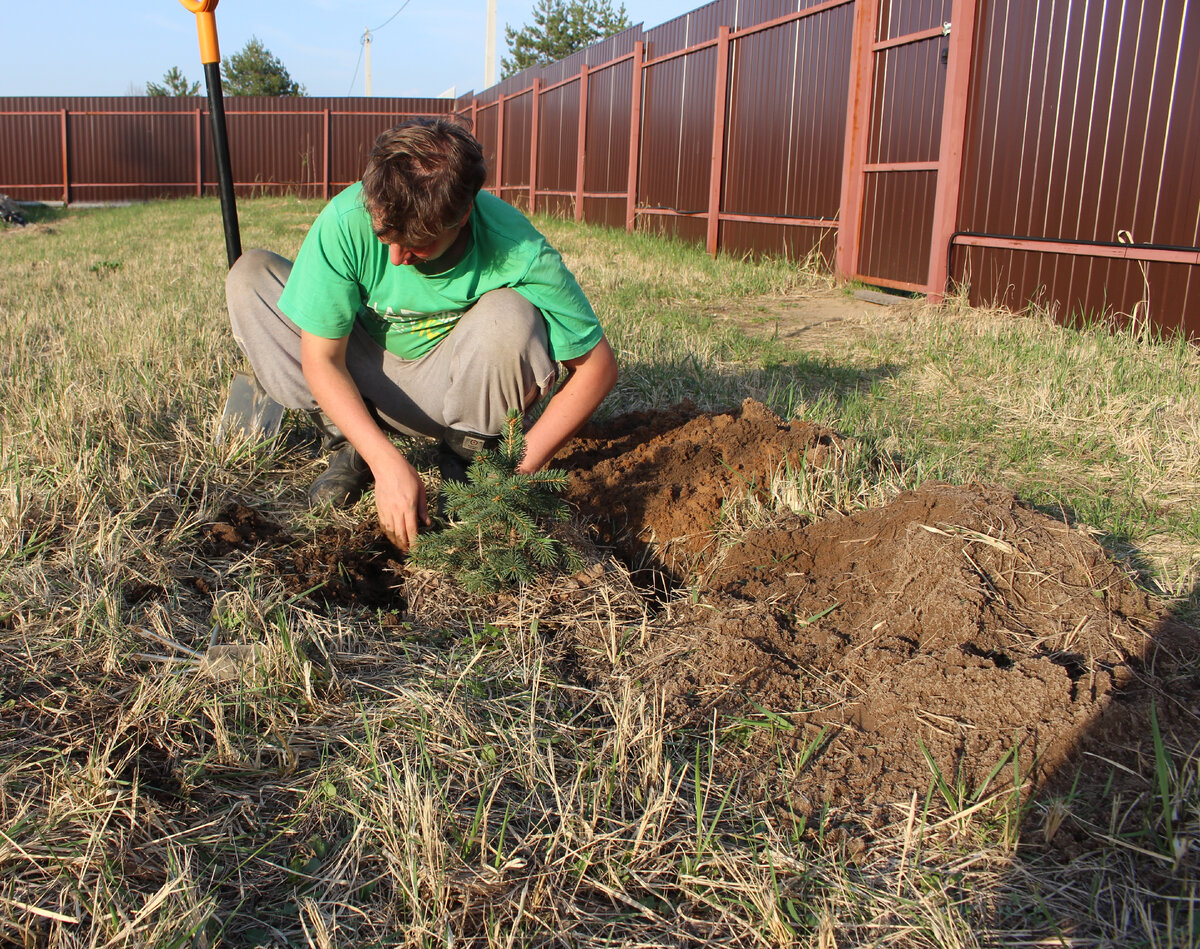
[[402, 255]]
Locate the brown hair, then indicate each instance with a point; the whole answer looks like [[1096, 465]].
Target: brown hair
[[421, 178]]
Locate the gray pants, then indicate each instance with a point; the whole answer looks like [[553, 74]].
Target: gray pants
[[495, 359]]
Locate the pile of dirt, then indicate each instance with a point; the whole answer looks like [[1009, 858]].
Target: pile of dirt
[[846, 663], [654, 483], [953, 630]]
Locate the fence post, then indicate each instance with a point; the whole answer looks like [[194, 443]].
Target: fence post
[[717, 168], [635, 136], [325, 157], [950, 152], [198, 128], [500, 147], [533, 143], [581, 141], [66, 168], [858, 130]]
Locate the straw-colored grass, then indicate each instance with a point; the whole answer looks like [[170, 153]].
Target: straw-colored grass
[[247, 769]]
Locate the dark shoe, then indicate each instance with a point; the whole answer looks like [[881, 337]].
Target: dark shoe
[[451, 465], [343, 482]]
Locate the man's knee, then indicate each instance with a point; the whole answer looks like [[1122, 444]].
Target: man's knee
[[503, 321], [248, 272], [255, 277], [252, 289]]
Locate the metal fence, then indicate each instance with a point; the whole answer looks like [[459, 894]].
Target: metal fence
[[1042, 152], [137, 148]]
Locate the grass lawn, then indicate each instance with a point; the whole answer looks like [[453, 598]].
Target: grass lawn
[[373, 780]]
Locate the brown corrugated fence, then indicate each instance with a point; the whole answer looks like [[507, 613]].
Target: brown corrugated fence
[[86, 149], [1043, 153]]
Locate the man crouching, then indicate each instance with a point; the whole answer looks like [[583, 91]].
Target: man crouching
[[419, 305]]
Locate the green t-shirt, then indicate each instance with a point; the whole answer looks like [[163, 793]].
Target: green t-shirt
[[343, 273]]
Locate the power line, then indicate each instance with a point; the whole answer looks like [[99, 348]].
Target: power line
[[350, 91], [389, 19], [362, 41]]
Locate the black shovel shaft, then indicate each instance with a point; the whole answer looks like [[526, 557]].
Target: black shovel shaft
[[216, 113]]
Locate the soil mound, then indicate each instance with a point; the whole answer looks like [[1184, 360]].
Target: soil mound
[[953, 638], [954, 633], [655, 483]]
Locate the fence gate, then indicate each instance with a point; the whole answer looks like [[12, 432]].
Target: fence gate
[[908, 89]]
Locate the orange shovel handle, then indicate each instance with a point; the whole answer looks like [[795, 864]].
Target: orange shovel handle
[[206, 26]]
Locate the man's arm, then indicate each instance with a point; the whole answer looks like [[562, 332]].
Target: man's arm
[[591, 377], [399, 491]]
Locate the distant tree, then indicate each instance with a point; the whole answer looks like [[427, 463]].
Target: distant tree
[[559, 28], [255, 71], [174, 84]]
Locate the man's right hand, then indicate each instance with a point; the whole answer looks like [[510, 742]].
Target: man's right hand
[[400, 501], [399, 493]]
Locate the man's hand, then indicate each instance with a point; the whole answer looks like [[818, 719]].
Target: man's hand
[[401, 503], [591, 378], [399, 493]]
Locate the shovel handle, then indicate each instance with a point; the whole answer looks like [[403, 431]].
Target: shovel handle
[[206, 26]]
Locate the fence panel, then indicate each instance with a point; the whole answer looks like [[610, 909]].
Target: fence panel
[[785, 139], [557, 147], [606, 171], [116, 153], [905, 65], [677, 111], [487, 132], [31, 155], [1084, 130], [513, 187]]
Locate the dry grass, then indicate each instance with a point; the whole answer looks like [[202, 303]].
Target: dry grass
[[191, 756]]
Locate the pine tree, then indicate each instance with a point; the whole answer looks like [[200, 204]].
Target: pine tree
[[256, 71], [559, 28], [495, 536], [174, 83]]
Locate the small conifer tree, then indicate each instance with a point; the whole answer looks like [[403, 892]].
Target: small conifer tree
[[495, 536]]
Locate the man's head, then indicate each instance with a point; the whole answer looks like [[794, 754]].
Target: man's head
[[421, 180]]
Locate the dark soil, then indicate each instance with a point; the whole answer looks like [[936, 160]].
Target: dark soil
[[845, 662], [338, 565]]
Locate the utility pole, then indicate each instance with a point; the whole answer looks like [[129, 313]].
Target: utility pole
[[367, 74], [489, 48]]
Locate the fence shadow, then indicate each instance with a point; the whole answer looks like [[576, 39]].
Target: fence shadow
[[1113, 836]]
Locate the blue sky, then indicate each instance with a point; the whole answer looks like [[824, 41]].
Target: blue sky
[[73, 47]]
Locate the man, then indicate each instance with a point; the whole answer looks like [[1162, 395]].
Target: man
[[419, 304]]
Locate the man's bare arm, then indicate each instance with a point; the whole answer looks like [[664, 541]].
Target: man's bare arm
[[591, 378]]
